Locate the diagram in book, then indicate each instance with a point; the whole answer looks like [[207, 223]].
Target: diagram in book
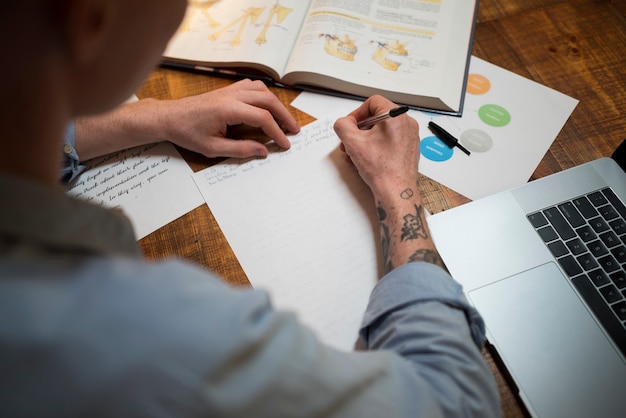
[[342, 47], [389, 54], [248, 19], [193, 8], [277, 11]]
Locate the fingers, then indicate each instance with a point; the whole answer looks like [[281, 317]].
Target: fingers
[[264, 111], [237, 148], [387, 153]]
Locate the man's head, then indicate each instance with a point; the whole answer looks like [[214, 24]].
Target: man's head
[[99, 51]]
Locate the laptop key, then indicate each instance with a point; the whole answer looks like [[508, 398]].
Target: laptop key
[[610, 239], [597, 199], [537, 220], [619, 253], [547, 234], [620, 310], [615, 201], [586, 208], [597, 248], [587, 261], [608, 212], [608, 263], [559, 223], [570, 265], [599, 225], [571, 214], [586, 233], [610, 293], [576, 246], [558, 249], [618, 226], [598, 277], [619, 278]]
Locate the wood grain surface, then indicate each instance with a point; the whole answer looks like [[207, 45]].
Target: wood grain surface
[[577, 47]]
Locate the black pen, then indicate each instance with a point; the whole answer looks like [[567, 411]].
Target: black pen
[[371, 121], [446, 137]]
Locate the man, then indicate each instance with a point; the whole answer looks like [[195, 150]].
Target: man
[[87, 328]]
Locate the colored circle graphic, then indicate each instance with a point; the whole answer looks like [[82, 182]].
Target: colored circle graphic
[[478, 84], [432, 148], [476, 140], [494, 115]]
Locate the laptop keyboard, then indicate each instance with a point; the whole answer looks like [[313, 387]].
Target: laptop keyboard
[[587, 235]]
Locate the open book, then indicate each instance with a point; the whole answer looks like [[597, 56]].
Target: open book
[[414, 52]]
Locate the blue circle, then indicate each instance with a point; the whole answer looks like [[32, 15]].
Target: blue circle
[[434, 149]]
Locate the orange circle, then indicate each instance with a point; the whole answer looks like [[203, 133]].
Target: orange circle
[[477, 84]]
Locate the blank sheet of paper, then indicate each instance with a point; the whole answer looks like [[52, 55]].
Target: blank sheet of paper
[[303, 226]]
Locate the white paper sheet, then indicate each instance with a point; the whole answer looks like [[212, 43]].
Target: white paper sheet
[[508, 123], [303, 226], [152, 184]]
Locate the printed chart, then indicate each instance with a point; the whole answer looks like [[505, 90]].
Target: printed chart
[[508, 124]]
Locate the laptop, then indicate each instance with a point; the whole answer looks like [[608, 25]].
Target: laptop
[[545, 265]]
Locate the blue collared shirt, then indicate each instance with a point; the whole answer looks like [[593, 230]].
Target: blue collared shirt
[[88, 328]]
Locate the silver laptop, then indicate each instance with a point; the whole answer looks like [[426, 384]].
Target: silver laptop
[[545, 264]]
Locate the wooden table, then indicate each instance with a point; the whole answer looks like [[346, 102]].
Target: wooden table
[[577, 47]]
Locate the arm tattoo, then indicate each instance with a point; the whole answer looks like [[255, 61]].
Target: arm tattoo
[[385, 237], [406, 194], [413, 227], [428, 256]]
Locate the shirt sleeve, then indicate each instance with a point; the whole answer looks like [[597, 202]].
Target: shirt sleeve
[[71, 162], [166, 339], [419, 312], [242, 357]]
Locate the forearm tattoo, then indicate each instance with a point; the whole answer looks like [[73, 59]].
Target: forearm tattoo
[[384, 238], [413, 228], [428, 256]]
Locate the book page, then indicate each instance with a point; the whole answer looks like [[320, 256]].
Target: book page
[[417, 47], [238, 32], [303, 226]]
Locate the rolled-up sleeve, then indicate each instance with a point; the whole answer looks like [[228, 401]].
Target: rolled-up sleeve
[[421, 313]]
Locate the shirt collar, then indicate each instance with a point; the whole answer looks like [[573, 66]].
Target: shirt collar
[[47, 216]]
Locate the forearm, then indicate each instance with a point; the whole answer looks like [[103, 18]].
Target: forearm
[[403, 229], [125, 127]]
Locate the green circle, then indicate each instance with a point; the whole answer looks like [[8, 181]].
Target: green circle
[[494, 115]]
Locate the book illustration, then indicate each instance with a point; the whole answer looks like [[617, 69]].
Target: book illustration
[[193, 8], [277, 11], [387, 54], [250, 14], [249, 18], [342, 47], [475, 139]]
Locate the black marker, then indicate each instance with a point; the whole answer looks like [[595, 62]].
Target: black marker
[[446, 137]]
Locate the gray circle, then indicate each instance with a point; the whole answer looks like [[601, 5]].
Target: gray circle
[[476, 140]]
